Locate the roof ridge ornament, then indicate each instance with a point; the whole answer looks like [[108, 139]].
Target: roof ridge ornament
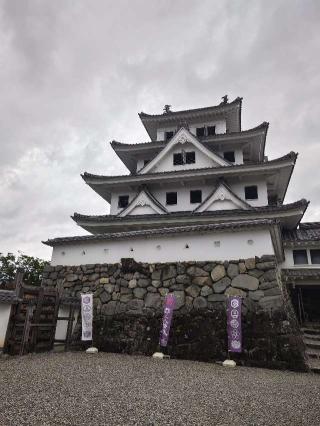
[[166, 109], [224, 99]]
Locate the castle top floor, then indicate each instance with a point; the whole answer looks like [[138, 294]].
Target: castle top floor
[[202, 122]]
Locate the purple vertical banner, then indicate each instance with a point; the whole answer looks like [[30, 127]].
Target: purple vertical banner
[[169, 305], [234, 324]]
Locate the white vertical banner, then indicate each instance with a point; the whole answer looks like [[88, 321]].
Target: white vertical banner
[[86, 315]]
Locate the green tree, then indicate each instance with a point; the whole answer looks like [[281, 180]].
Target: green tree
[[32, 266]]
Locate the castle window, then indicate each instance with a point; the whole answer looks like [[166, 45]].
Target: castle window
[[200, 131], [177, 159], [300, 257], [315, 256], [171, 198], [251, 192], [190, 157], [229, 156], [123, 201], [211, 130], [195, 196], [168, 135]]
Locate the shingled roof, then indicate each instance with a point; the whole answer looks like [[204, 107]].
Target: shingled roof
[[163, 231], [308, 232]]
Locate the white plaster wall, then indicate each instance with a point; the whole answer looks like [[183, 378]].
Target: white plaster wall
[[183, 195], [141, 210], [221, 205], [5, 309], [220, 128], [262, 200], [233, 245], [166, 163]]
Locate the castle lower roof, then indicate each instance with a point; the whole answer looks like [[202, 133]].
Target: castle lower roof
[[289, 216], [231, 226], [307, 234]]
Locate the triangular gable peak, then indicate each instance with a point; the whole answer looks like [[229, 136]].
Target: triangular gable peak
[[184, 139], [143, 203], [222, 198]]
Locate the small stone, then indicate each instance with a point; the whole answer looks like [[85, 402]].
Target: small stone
[[200, 303], [156, 283], [135, 304], [139, 293], [232, 291], [105, 297], [143, 282], [275, 291], [168, 283], [109, 288], [70, 278], [104, 280], [156, 275], [217, 298], [266, 286], [180, 299], [255, 273], [169, 272], [250, 263], [132, 283], [109, 308], [242, 268], [153, 300], [151, 289], [195, 271], [202, 281], [246, 282], [233, 270], [94, 277], [193, 290], [221, 285], [268, 276], [206, 290], [183, 279], [264, 266], [218, 272], [271, 302], [256, 295], [125, 297]]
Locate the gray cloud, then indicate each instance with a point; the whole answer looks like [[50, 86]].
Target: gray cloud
[[75, 74]]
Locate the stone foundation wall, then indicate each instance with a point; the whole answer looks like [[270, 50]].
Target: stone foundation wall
[[128, 305]]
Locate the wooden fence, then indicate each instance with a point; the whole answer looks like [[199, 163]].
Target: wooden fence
[[34, 317]]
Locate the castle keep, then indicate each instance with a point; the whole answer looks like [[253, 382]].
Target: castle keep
[[201, 213]]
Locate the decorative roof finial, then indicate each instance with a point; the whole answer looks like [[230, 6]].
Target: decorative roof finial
[[166, 109], [224, 99]]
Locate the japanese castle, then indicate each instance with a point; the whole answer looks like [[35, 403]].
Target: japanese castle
[[202, 188]]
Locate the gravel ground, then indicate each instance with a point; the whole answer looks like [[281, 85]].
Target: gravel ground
[[110, 389]]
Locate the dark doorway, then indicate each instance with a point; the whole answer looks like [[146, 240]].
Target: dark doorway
[[306, 302]]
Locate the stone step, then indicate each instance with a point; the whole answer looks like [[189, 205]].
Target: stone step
[[311, 325], [311, 336], [310, 343], [314, 365], [310, 330]]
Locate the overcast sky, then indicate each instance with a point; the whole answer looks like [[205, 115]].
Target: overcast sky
[[74, 75]]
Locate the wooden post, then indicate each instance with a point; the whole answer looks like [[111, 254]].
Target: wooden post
[[26, 329], [70, 327]]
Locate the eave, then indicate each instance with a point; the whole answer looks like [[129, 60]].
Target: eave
[[278, 172], [152, 122], [251, 141], [288, 215]]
